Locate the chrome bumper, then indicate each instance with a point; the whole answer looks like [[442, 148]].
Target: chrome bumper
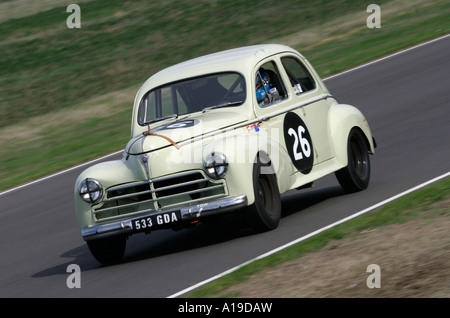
[[192, 212]]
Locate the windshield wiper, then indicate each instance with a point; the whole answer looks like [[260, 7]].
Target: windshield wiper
[[238, 102], [161, 118]]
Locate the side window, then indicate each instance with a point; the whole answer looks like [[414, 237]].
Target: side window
[[268, 85], [299, 77]]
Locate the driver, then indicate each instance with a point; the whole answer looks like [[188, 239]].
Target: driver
[[266, 93]]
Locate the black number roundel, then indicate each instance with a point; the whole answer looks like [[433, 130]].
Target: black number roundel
[[298, 142]]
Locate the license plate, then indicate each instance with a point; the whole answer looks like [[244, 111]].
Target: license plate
[[156, 221]]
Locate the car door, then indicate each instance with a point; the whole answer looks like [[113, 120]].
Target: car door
[[316, 106], [276, 105]]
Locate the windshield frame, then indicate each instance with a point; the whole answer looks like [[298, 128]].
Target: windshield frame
[[193, 99]]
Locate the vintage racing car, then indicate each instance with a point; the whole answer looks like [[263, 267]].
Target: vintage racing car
[[229, 131]]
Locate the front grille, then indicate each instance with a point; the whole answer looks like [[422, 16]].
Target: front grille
[[160, 194]]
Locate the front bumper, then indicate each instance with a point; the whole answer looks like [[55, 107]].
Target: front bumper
[[192, 212]]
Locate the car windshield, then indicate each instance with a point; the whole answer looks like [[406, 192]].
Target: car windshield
[[192, 95]]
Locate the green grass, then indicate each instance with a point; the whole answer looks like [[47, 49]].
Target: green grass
[[416, 205], [46, 66], [49, 71]]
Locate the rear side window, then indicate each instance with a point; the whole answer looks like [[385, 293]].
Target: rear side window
[[299, 76], [269, 87]]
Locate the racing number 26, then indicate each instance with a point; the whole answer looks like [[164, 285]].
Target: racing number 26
[[298, 141], [304, 143]]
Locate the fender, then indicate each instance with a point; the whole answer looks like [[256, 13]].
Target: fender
[[342, 118], [105, 173]]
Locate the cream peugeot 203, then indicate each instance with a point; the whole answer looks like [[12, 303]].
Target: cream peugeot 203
[[229, 131]]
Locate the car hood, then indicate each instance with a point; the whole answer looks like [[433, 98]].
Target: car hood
[[182, 129]]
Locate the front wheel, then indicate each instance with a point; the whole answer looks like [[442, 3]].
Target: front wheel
[[265, 212], [355, 177], [108, 250]]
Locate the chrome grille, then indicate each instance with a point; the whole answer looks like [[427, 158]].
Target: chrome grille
[[157, 195]]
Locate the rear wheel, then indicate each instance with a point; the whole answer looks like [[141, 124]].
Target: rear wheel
[[355, 177], [265, 212], [108, 250]]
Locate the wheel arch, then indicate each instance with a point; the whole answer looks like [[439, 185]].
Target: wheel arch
[[343, 118]]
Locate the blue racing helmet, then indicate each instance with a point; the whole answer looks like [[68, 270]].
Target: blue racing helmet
[[262, 85]]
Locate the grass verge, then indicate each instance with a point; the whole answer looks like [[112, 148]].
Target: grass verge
[[423, 204]]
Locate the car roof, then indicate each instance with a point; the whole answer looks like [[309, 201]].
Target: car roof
[[241, 60]]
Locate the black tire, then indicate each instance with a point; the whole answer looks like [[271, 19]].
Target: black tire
[[265, 212], [355, 177], [108, 250]]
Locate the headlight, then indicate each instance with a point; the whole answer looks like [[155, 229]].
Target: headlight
[[90, 190], [215, 165]]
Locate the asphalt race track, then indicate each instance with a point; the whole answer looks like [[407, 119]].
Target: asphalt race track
[[406, 100]]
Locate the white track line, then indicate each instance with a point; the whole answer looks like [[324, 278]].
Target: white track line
[[373, 207], [325, 79]]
